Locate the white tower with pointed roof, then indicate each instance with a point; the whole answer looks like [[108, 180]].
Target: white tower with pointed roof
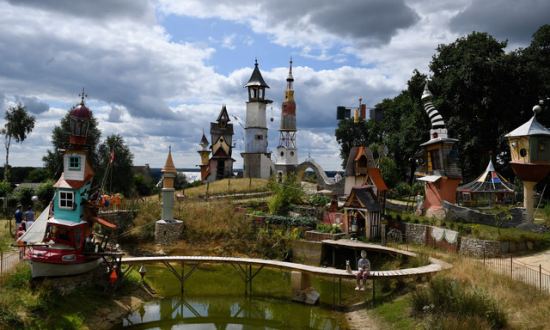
[[257, 160]]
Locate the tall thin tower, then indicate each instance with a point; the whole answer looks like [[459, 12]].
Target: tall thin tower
[[257, 161], [287, 155]]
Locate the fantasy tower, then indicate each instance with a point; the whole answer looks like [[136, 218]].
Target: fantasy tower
[[438, 164], [257, 161], [221, 135], [287, 155], [530, 151], [204, 153]]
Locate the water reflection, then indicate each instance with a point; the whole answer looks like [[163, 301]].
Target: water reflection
[[230, 313]]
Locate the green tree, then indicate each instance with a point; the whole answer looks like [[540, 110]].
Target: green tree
[[350, 134], [18, 125], [285, 194], [53, 160], [116, 163]]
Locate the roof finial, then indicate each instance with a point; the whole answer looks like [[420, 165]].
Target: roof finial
[[170, 149], [255, 61], [290, 70], [82, 96]]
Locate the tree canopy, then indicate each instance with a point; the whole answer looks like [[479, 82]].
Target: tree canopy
[[53, 160], [19, 123], [116, 163], [482, 92]]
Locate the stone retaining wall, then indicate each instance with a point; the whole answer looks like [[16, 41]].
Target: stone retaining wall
[[479, 248], [415, 233], [306, 252]]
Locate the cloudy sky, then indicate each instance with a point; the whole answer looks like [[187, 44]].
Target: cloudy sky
[[157, 72]]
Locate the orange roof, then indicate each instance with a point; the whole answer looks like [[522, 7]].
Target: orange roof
[[169, 165], [71, 184], [376, 176], [360, 152]]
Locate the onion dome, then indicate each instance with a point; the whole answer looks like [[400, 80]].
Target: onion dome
[[81, 111]]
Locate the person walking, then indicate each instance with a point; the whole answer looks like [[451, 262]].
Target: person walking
[[29, 217], [18, 218]]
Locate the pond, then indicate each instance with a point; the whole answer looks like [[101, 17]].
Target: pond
[[214, 299]]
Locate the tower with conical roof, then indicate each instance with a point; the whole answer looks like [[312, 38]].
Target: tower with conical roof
[[204, 153], [221, 135], [287, 153], [167, 229], [438, 162], [530, 157], [257, 160]]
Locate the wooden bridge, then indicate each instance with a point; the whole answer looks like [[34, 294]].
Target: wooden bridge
[[248, 268]]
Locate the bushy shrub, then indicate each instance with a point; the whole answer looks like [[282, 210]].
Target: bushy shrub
[[285, 193], [444, 296], [328, 228], [402, 189], [319, 200], [24, 196], [292, 221], [45, 192]]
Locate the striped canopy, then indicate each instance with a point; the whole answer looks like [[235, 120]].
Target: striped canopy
[[489, 181]]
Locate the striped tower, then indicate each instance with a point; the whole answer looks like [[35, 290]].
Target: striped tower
[[287, 154], [437, 162]]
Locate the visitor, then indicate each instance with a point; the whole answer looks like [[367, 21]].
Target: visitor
[[18, 216], [363, 267], [29, 217]]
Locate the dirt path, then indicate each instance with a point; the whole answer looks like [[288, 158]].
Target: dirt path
[[534, 260], [361, 320]]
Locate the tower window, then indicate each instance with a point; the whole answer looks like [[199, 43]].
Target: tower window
[[66, 199], [282, 153], [259, 137], [292, 153], [74, 163]]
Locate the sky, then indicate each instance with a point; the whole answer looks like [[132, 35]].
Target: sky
[[158, 72]]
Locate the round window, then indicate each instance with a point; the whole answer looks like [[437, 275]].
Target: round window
[[523, 152], [292, 153], [282, 153]]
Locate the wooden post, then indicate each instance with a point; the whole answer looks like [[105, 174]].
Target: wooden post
[[373, 291], [540, 277], [1, 262], [182, 278], [207, 188], [511, 266]]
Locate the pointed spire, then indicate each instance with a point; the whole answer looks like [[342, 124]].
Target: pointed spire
[[204, 141], [426, 93], [169, 165], [290, 77], [223, 117], [256, 78]]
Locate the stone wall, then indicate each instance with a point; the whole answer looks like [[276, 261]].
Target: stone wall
[[479, 248], [306, 252], [415, 233], [465, 214], [168, 232]]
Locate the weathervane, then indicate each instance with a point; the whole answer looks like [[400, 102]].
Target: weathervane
[[82, 96]]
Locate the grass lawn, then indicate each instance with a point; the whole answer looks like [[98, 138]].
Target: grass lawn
[[228, 186], [5, 237]]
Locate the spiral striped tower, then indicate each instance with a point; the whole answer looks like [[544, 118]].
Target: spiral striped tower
[[437, 162], [438, 124]]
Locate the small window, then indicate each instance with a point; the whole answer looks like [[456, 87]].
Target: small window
[[66, 199], [282, 153], [74, 163], [523, 152], [259, 137], [292, 153]]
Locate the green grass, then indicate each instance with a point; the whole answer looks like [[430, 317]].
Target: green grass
[[228, 186], [42, 308], [396, 314], [5, 237]]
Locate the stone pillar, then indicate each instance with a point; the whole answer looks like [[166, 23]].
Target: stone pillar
[[528, 199], [301, 288], [167, 204]]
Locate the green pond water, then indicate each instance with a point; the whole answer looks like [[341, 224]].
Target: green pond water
[[214, 299]]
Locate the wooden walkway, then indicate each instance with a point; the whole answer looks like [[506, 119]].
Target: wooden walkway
[[434, 267]]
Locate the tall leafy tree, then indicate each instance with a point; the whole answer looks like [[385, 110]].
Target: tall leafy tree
[[19, 123], [53, 160], [350, 134], [116, 165]]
